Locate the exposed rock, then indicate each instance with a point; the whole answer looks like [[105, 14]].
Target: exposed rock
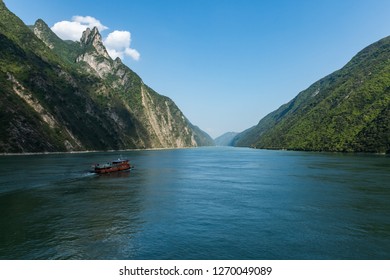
[[64, 96]]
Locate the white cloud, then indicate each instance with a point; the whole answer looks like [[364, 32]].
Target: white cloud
[[90, 22], [134, 54], [118, 39], [72, 30], [118, 45], [117, 42]]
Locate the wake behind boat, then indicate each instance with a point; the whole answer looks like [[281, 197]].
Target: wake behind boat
[[113, 166]]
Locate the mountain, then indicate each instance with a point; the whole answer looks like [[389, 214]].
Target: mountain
[[201, 136], [346, 111], [225, 139], [60, 95]]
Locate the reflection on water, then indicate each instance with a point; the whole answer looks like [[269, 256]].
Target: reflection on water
[[209, 203]]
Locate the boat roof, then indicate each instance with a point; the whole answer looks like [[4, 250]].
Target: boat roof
[[119, 160]]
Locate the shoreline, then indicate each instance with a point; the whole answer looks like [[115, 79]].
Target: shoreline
[[93, 151], [180, 148]]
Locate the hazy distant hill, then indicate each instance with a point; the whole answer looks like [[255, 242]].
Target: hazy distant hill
[[60, 95], [349, 110], [225, 139]]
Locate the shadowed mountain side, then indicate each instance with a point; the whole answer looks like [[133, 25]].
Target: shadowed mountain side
[[66, 96]]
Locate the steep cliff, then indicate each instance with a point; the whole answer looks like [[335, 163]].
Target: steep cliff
[[62, 96]]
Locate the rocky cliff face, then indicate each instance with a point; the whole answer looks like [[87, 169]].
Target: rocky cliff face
[[163, 121], [62, 96], [94, 54]]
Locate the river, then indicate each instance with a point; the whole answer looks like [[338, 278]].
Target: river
[[201, 203]]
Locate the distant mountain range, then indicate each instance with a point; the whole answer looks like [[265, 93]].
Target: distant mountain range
[[225, 139], [347, 111], [60, 95]]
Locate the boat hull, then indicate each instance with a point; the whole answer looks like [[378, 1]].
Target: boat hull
[[115, 166]]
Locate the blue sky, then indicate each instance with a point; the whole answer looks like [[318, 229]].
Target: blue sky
[[226, 63]]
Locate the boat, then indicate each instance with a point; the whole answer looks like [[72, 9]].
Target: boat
[[113, 166]]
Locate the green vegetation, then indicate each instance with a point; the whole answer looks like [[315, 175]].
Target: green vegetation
[[346, 111], [52, 100]]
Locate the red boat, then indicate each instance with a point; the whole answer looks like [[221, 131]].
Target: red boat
[[114, 166]]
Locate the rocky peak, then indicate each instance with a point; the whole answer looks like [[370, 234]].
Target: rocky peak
[[94, 39], [43, 32], [40, 24], [88, 36], [94, 53]]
